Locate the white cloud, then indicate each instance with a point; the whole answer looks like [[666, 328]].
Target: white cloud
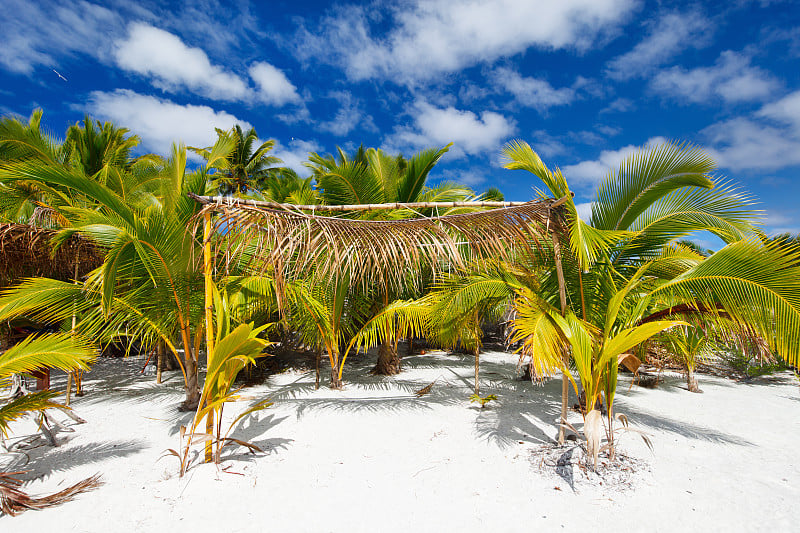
[[786, 110], [161, 122], [349, 115], [670, 35], [295, 154], [745, 144], [163, 56], [590, 173], [37, 33], [731, 79], [173, 66], [532, 92], [427, 38], [620, 105], [44, 32], [470, 133], [584, 210], [769, 139], [470, 178], [274, 86]]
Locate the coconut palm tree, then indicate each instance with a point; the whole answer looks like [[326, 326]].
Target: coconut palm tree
[[235, 164], [658, 197], [148, 281], [371, 176]]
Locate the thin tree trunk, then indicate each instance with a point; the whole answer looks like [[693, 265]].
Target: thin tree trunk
[[159, 360], [336, 383], [562, 296], [477, 366], [78, 383], [69, 389], [317, 357], [192, 387], [691, 381]]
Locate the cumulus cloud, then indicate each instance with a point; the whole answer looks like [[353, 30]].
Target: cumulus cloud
[[786, 110], [160, 122], [156, 53], [470, 178], [427, 38], [532, 92], [589, 174], [349, 115], [671, 34], [435, 126], [69, 28], [769, 139], [273, 84], [173, 66], [37, 33], [584, 210], [295, 153], [731, 79]]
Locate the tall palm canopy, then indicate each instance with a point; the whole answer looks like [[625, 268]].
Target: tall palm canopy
[[236, 165]]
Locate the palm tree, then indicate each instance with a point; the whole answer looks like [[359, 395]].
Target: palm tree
[[234, 164], [372, 176], [658, 197], [693, 345], [148, 283]]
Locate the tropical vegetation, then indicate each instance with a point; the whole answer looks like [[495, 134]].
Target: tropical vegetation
[[573, 301]]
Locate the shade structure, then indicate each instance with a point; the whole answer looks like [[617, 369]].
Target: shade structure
[[26, 251], [291, 241]]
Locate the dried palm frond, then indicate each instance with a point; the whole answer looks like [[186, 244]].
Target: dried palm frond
[[294, 243], [426, 389], [14, 500], [26, 251]]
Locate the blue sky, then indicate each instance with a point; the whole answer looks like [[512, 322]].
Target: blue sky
[[583, 81]]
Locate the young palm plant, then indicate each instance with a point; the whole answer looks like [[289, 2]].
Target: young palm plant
[[65, 352]]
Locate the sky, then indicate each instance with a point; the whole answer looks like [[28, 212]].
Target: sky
[[584, 82]]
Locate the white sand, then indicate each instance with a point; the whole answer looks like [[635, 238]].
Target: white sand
[[375, 458]]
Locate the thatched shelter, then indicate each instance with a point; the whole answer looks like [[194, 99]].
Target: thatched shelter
[[309, 240], [26, 251]]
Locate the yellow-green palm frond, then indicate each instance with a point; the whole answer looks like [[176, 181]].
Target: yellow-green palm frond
[[756, 284], [19, 407], [57, 350], [541, 331]]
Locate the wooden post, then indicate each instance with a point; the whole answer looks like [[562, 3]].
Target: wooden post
[[562, 296], [74, 324], [209, 308]]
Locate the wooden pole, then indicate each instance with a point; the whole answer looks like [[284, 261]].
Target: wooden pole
[[209, 326], [562, 296], [232, 201], [74, 324]]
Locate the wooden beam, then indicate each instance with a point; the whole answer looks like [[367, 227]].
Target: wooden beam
[[231, 201]]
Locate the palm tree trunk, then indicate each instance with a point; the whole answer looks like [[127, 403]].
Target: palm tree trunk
[[317, 357], [477, 366], [691, 381], [562, 296], [159, 360], [336, 381], [388, 359]]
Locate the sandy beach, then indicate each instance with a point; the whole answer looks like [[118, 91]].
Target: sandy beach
[[374, 457]]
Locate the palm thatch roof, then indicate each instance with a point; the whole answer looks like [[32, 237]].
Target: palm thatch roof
[[292, 242], [25, 251]]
